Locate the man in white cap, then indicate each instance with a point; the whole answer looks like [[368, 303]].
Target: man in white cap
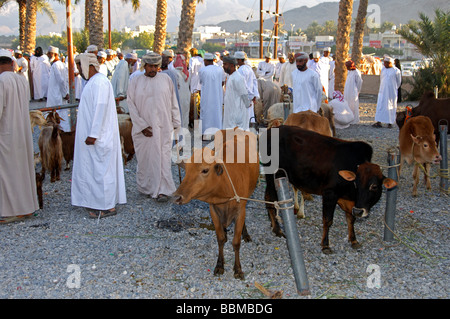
[[58, 88], [211, 80], [22, 64], [307, 89], [110, 65], [265, 68], [235, 101], [322, 68], [120, 78], [251, 83], [286, 71], [155, 115], [101, 57], [92, 49], [278, 66], [18, 198], [390, 81], [98, 182]]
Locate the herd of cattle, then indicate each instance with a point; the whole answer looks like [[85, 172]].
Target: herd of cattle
[[315, 161]]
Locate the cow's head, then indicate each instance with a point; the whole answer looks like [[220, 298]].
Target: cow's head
[[425, 149], [368, 181], [202, 178]]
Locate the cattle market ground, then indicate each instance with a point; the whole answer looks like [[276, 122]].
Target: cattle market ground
[[164, 251]]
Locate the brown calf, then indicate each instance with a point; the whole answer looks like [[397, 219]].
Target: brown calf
[[210, 177], [417, 144]]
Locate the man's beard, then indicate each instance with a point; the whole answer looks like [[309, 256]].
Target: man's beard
[[301, 67]]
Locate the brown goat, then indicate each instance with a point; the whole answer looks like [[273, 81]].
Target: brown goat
[[125, 126], [68, 145], [37, 118], [50, 146], [39, 182]]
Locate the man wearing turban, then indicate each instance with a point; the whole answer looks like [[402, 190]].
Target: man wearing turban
[[352, 88], [390, 81], [155, 115], [307, 88], [98, 182]]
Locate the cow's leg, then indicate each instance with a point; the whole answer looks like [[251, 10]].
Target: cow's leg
[[416, 179], [239, 224], [347, 207], [427, 181], [329, 200], [221, 240], [245, 236], [271, 196]]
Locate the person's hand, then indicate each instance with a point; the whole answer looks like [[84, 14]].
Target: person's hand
[[90, 140], [66, 97], [147, 132]]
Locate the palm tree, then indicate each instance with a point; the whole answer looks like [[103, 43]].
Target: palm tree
[[432, 39], [186, 25], [342, 43], [25, 24], [95, 17], [160, 27], [359, 31]]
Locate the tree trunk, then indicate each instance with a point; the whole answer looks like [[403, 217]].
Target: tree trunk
[[96, 23], [22, 22], [359, 32], [86, 15], [160, 28], [186, 26], [30, 27], [342, 43]]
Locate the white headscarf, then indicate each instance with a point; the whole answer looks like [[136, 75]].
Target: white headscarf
[[87, 59]]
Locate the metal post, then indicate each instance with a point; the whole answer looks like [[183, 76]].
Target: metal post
[[391, 196], [70, 63], [293, 241], [261, 23], [443, 129], [275, 41]]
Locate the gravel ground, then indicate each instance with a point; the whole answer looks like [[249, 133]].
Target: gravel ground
[[164, 251]]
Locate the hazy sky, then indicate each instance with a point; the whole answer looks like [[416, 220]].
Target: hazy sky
[[209, 12]]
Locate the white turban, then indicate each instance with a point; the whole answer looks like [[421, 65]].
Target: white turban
[[87, 59], [5, 53], [102, 54], [239, 55], [208, 56], [132, 56], [152, 59], [168, 53], [92, 48], [53, 49], [316, 55], [388, 59], [268, 55]]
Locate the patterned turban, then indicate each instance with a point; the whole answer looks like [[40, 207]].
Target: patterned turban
[[152, 59]]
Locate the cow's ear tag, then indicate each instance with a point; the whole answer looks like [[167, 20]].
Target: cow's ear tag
[[389, 183], [347, 175]]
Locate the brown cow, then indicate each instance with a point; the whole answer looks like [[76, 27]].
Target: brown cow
[[310, 121], [211, 176], [435, 109], [417, 143]]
